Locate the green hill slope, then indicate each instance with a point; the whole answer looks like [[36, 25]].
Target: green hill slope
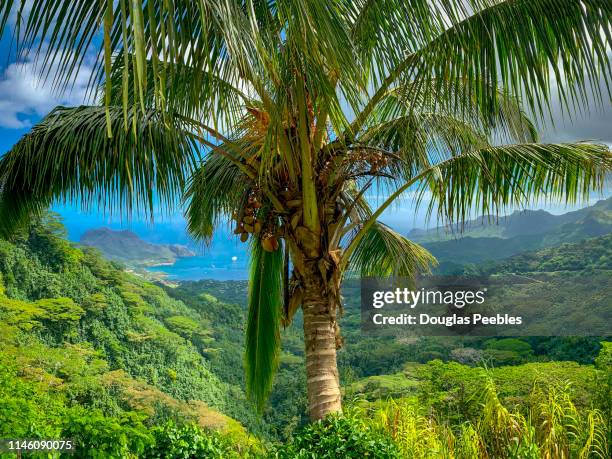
[[487, 239], [586, 255], [79, 334], [519, 223]]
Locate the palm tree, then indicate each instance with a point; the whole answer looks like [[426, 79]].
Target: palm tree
[[283, 115]]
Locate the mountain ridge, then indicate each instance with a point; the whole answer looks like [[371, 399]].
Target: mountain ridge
[[126, 246], [518, 223], [519, 232]]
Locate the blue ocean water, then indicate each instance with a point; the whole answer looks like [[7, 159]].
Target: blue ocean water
[[217, 267], [225, 258]]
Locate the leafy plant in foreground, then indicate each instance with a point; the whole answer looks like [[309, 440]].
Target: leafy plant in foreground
[[552, 428], [188, 441], [338, 436], [285, 114]]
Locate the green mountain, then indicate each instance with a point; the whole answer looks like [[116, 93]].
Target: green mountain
[[522, 223], [587, 255], [127, 247], [130, 369], [485, 239]]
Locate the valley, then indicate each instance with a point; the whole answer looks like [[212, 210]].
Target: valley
[[81, 334]]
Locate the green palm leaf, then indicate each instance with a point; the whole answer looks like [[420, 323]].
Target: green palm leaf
[[212, 194], [69, 156], [263, 323], [491, 180], [519, 45], [383, 252], [185, 90], [506, 119], [494, 179]]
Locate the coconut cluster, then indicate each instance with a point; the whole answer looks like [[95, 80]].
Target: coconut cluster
[[250, 221], [375, 159]]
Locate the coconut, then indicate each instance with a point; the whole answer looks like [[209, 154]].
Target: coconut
[[275, 244], [270, 244]]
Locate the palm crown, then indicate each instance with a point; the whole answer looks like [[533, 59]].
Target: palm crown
[[283, 114]]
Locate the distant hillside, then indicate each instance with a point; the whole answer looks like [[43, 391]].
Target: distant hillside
[[521, 223], [588, 254], [127, 247], [520, 232]]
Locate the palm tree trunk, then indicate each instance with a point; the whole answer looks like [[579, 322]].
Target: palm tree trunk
[[320, 336]]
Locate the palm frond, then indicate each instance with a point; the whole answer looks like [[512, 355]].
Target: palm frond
[[418, 140], [505, 119], [520, 45], [58, 34], [384, 31], [189, 33], [191, 92], [263, 322], [420, 124], [68, 156], [526, 47], [382, 252], [212, 193], [491, 180]]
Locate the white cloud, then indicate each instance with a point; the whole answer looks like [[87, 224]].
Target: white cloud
[[592, 124], [24, 96]]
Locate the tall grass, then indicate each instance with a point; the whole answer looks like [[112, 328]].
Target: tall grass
[[550, 427]]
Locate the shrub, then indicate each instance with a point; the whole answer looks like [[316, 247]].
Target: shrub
[[98, 436], [188, 441], [552, 428], [338, 437]]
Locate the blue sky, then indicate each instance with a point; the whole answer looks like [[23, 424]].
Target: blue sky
[[25, 99]]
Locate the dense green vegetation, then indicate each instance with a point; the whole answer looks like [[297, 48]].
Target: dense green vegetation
[[460, 413], [131, 369], [384, 358], [588, 256], [94, 343]]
